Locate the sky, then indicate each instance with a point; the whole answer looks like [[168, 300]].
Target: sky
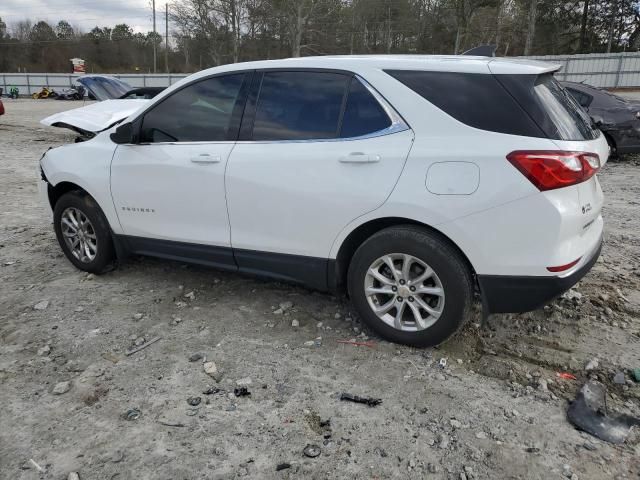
[[85, 14]]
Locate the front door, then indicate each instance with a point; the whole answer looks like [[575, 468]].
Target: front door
[[170, 186]]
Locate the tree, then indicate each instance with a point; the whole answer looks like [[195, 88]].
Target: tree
[[64, 31]]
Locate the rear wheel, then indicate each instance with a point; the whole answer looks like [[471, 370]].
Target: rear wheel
[[410, 286], [83, 232]]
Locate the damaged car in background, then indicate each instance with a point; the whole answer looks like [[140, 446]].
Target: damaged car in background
[[617, 117], [116, 101]]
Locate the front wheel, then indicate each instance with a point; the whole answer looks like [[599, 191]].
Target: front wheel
[[83, 232], [410, 286]]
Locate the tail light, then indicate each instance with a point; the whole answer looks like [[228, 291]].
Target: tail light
[[551, 169]]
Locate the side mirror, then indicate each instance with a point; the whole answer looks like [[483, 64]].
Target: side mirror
[[123, 134]]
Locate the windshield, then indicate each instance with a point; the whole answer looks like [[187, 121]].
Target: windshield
[[569, 119], [104, 88]]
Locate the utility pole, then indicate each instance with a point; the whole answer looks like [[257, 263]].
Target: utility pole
[[531, 31], [612, 21], [153, 3], [166, 37]]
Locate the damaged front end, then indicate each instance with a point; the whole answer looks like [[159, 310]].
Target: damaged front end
[[94, 118]]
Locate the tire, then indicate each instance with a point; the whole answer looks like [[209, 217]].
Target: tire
[[449, 291], [95, 233]]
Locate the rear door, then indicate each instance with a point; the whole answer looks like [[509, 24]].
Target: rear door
[[317, 149]]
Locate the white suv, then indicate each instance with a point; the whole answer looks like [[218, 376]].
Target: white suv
[[410, 182]]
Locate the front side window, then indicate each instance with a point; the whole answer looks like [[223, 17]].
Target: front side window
[[200, 112], [582, 98], [299, 105]]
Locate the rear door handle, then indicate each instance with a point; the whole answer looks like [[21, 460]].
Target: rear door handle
[[360, 157], [206, 158]]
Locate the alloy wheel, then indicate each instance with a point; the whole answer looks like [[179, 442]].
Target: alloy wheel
[[404, 292], [79, 235]]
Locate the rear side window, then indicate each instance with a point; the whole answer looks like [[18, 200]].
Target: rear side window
[[570, 121], [582, 98], [299, 105], [475, 99], [363, 114], [200, 112]]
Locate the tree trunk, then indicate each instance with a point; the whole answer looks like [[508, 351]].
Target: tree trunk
[[583, 26], [531, 30], [612, 21], [457, 47]]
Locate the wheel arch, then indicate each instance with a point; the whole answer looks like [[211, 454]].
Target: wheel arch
[[54, 192], [339, 267]]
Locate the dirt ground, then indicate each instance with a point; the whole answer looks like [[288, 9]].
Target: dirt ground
[[496, 410]]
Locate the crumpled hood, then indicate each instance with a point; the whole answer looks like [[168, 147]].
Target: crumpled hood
[[95, 117]]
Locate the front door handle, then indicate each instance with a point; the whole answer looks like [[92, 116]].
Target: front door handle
[[360, 157], [206, 158]]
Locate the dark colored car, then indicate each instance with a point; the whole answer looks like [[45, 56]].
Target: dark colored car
[[617, 117], [104, 87]]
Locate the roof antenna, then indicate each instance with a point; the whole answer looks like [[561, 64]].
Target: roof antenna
[[482, 51]]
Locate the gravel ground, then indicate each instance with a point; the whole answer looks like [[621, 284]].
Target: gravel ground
[[496, 410]]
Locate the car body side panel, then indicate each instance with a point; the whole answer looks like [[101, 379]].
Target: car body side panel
[[87, 165]]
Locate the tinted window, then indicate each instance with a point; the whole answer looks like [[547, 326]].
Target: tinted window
[[363, 114], [299, 105], [200, 112], [582, 98], [570, 121], [477, 100]]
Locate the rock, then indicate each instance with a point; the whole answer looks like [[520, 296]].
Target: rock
[[543, 385], [195, 357], [432, 468], [211, 369], [618, 378], [61, 387], [455, 423], [337, 316], [138, 316], [190, 296], [309, 343], [194, 401], [468, 471], [44, 351], [311, 451], [117, 456], [243, 382], [73, 476], [592, 365], [566, 470], [481, 435], [443, 441], [295, 323], [41, 305], [139, 341], [278, 311], [78, 309], [319, 325], [284, 306]]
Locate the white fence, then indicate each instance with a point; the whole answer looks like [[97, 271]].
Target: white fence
[[29, 83], [608, 70], [611, 70]]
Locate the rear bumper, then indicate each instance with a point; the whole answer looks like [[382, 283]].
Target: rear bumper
[[513, 294]]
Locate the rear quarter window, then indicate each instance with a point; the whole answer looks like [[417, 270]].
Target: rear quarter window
[[527, 105], [475, 99]]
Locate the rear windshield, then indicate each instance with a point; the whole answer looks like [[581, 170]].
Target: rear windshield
[[526, 105], [570, 120]]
